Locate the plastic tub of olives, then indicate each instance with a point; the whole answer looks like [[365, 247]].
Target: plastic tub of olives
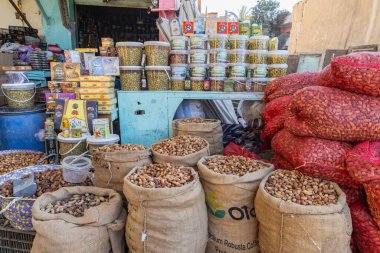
[[157, 53], [19, 95], [130, 77], [130, 53], [158, 77]]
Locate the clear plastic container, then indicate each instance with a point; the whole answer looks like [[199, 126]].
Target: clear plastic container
[[198, 70], [95, 143], [217, 83], [158, 77], [198, 56], [238, 56], [218, 70], [197, 83], [179, 42], [278, 57], [178, 83], [130, 53], [17, 77], [76, 169], [259, 84], [71, 146], [130, 77], [277, 70], [239, 84], [19, 95], [238, 70], [239, 42], [179, 56], [259, 42], [258, 57], [258, 70], [179, 70], [157, 53], [218, 55], [219, 41], [199, 41]]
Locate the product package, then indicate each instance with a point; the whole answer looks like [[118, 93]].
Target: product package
[[57, 71], [222, 28], [188, 28], [233, 28], [108, 66], [101, 128], [200, 25], [72, 71], [52, 97]]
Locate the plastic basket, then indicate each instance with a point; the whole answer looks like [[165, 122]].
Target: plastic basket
[[13, 240]]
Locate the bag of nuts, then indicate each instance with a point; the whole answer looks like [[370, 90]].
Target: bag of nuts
[[99, 229], [113, 162], [166, 210], [325, 77], [334, 114], [372, 190], [208, 129], [230, 184], [182, 150], [298, 213]]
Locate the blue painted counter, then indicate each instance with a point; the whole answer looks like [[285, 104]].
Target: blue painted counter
[[146, 116]]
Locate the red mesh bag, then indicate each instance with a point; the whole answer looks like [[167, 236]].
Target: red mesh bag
[[353, 195], [234, 149], [325, 77], [275, 108], [273, 126], [363, 162], [357, 72], [289, 84], [315, 157], [372, 191], [366, 232], [281, 163], [334, 114]]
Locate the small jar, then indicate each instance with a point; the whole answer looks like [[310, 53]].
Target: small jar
[[179, 70], [239, 42], [179, 42], [197, 83], [258, 70], [218, 41], [278, 57], [238, 70], [259, 42], [198, 56], [238, 56], [199, 41], [258, 57], [217, 83], [178, 83], [277, 70], [179, 56], [239, 84], [259, 84], [198, 70], [218, 70], [218, 55]]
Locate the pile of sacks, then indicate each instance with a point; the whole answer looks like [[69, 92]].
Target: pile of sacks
[[327, 125]]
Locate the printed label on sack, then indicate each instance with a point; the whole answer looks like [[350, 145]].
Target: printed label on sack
[[222, 245]]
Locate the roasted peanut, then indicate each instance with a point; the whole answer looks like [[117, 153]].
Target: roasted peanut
[[234, 165], [180, 146]]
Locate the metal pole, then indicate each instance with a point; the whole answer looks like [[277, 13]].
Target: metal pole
[[20, 13]]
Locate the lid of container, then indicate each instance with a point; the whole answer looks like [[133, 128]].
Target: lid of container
[[131, 68], [238, 51], [271, 79], [179, 38], [15, 72], [260, 37], [113, 138], [238, 64], [129, 44], [178, 78], [197, 78], [199, 65], [240, 79], [213, 65], [18, 86], [157, 68], [60, 138], [179, 52], [200, 51], [261, 79], [219, 36], [179, 65], [252, 66], [258, 51], [213, 50], [200, 36], [281, 52], [157, 43], [238, 37], [278, 66], [220, 78]]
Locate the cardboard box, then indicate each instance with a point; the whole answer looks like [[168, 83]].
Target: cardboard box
[[104, 66], [97, 78], [57, 71], [72, 71], [233, 28], [97, 84], [222, 28], [98, 97], [97, 90], [52, 97]]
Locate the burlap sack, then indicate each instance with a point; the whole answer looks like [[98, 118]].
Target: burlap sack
[[111, 167], [167, 220], [211, 131], [287, 227], [186, 160], [232, 222], [98, 231]]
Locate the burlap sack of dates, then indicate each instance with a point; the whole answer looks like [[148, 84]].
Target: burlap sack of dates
[[167, 220], [209, 129], [232, 222], [111, 167], [288, 227], [98, 231]]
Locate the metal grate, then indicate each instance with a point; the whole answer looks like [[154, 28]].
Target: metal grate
[[13, 240]]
